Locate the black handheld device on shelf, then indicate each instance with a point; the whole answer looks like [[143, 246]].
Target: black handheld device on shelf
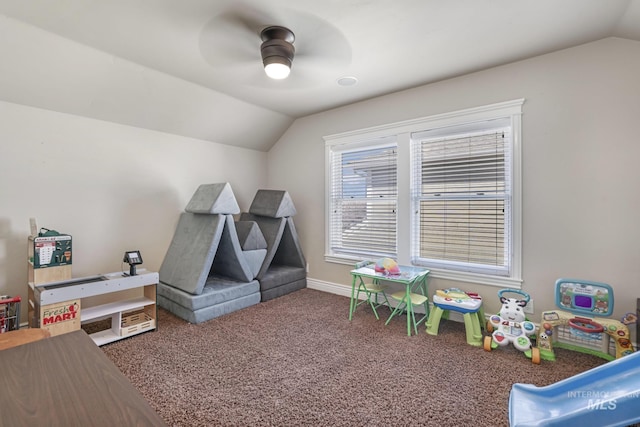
[[132, 258]]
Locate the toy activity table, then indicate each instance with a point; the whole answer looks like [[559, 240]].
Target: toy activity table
[[465, 303], [414, 280]]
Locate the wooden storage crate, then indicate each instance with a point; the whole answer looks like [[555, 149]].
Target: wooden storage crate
[[134, 323]]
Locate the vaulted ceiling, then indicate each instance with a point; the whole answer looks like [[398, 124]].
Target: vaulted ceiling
[[193, 67]]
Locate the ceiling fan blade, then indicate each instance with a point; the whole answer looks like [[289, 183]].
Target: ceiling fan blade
[[247, 19], [234, 35], [230, 42], [227, 47]]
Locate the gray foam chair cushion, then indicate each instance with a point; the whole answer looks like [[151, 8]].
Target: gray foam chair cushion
[[289, 250], [189, 258], [278, 275], [283, 289], [229, 258], [272, 230], [250, 236], [210, 312], [213, 199], [283, 245], [272, 203], [216, 291], [255, 258]]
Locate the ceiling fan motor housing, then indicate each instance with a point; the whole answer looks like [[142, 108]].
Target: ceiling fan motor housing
[[277, 46]]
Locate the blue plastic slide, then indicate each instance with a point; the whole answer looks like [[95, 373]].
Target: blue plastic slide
[[607, 395]]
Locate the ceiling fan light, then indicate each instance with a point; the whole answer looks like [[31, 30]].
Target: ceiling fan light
[[277, 71], [277, 51]]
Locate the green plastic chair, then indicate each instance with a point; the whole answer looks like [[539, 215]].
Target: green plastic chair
[[372, 290], [415, 299]]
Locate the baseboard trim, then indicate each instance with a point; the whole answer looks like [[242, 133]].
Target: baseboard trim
[[332, 288]]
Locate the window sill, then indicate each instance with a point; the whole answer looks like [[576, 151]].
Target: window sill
[[478, 279], [458, 276]]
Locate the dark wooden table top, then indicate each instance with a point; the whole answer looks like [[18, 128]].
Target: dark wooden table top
[[22, 336], [66, 380]]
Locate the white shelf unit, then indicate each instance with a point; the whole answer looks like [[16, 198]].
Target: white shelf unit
[[114, 290], [106, 310]]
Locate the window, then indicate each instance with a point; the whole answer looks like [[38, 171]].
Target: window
[[441, 191], [363, 200], [461, 194]]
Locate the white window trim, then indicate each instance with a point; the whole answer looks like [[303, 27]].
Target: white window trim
[[402, 131]]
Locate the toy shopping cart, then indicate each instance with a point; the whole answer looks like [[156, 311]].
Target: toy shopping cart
[[9, 313]]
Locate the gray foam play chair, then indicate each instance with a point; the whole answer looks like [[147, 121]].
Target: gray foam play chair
[[284, 267], [210, 267]]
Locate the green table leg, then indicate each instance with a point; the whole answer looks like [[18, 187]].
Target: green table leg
[[353, 295], [409, 308]]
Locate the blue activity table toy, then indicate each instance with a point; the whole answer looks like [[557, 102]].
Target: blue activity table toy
[[466, 303]]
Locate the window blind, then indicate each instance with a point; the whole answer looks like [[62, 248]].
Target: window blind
[[461, 199], [363, 202]]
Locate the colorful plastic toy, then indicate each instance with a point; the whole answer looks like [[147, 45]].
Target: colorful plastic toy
[[387, 266], [510, 326], [606, 338], [466, 303]]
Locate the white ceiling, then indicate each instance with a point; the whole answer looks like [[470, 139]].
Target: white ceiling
[[212, 47]]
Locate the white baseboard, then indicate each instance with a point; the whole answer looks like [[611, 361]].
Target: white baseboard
[[332, 288]]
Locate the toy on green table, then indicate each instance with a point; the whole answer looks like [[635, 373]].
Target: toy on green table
[[510, 325], [606, 338], [387, 266]]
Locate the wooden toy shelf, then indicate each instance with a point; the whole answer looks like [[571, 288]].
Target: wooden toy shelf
[[129, 301]]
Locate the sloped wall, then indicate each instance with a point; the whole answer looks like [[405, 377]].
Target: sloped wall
[[112, 187]]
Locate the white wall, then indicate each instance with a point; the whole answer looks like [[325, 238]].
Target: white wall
[[580, 165], [112, 187], [49, 71]]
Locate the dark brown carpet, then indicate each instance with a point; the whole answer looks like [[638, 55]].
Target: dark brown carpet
[[298, 361]]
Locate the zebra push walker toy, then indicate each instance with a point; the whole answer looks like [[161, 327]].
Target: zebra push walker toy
[[511, 326]]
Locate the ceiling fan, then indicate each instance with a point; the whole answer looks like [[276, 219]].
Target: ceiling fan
[[277, 51], [239, 42]]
